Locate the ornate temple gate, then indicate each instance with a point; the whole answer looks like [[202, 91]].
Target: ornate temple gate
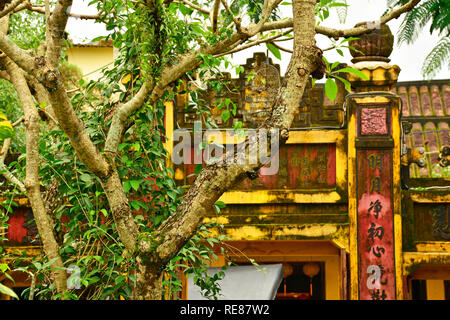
[[353, 194]]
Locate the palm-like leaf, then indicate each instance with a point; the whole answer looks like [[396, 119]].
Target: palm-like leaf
[[437, 58], [436, 11], [415, 21], [342, 12]]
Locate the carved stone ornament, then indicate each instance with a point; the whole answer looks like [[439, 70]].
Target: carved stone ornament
[[374, 46]]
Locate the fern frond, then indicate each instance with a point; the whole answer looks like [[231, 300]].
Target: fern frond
[[437, 58], [342, 12], [416, 20], [441, 16]]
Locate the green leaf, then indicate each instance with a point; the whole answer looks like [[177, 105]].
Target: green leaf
[[275, 51], [349, 39], [220, 204], [172, 194], [135, 184], [346, 83], [356, 72], [331, 89], [226, 115], [5, 290], [86, 177], [337, 4], [126, 186], [105, 213], [334, 65]]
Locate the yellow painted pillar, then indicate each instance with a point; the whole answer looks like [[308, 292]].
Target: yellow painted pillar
[[169, 126], [374, 186]]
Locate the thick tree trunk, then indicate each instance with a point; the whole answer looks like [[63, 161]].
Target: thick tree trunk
[[216, 179], [120, 209], [148, 281], [32, 182]]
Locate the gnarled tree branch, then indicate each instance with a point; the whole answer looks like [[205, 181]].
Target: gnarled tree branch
[[214, 14], [344, 33], [11, 6], [194, 6], [32, 181]]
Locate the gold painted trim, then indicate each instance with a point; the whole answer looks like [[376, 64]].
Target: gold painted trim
[[429, 198], [414, 258], [397, 196], [434, 246], [279, 196]]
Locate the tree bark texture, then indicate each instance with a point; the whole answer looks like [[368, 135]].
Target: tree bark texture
[[32, 181]]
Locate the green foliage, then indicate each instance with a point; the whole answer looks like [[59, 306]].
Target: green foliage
[[27, 29], [10, 106], [331, 89], [438, 13], [4, 268], [148, 38], [254, 9], [437, 58], [333, 72], [323, 9], [275, 51], [440, 172]]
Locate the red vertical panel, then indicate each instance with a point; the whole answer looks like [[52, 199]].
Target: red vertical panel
[[267, 180], [16, 230], [375, 225], [331, 165]]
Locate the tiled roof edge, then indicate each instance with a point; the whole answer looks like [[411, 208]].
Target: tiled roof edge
[[439, 82]]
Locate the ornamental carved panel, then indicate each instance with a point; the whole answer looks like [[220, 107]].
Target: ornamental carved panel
[[374, 121]]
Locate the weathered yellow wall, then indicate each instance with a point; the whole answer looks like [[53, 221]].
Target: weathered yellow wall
[[90, 59], [332, 278], [435, 290]]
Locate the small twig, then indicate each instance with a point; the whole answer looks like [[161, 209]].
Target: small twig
[[329, 48], [281, 48], [32, 287], [73, 15], [72, 90], [193, 6], [254, 43], [22, 118]]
